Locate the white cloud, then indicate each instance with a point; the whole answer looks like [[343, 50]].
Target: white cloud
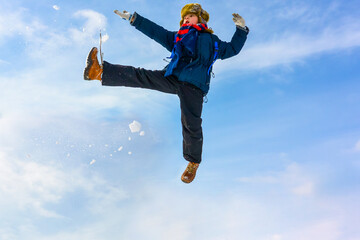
[[328, 229], [3, 62], [91, 29], [304, 13], [306, 188], [158, 210], [276, 237], [32, 184], [44, 41], [294, 12], [18, 23], [294, 47], [259, 179], [293, 178], [357, 146]]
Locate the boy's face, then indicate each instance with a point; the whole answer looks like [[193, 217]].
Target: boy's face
[[191, 19]]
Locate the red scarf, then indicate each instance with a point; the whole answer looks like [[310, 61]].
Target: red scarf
[[185, 28]]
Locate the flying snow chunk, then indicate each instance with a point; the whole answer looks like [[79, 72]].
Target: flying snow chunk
[[135, 126], [56, 7], [92, 162], [142, 133], [129, 153], [104, 38], [120, 148]]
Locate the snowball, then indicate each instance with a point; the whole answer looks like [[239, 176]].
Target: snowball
[[56, 7], [120, 148], [92, 162], [142, 133], [135, 126], [129, 153], [104, 38]]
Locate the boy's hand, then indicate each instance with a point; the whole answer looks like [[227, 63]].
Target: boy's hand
[[124, 15], [238, 20]]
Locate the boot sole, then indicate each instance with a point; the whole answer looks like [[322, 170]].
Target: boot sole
[[89, 63], [187, 180]]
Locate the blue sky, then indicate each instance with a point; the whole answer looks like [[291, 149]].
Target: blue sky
[[281, 157]]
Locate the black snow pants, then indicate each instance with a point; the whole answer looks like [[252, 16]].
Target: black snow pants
[[191, 100]]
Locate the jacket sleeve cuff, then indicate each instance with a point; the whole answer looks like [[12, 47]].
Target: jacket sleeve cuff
[[246, 29], [134, 18]]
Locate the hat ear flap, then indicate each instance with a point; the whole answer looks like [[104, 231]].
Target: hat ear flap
[[204, 15], [201, 20]]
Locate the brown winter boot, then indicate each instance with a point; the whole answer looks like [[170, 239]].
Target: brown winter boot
[[190, 172], [93, 69]]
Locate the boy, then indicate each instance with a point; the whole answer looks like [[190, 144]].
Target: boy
[[194, 49]]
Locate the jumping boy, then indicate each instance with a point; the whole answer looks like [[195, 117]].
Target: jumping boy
[[194, 49]]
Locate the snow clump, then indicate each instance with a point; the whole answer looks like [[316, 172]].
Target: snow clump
[[135, 126], [105, 38]]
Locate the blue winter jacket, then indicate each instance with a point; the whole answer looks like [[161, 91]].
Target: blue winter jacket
[[196, 70]]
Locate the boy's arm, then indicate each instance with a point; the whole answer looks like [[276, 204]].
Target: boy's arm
[[229, 49], [153, 31]]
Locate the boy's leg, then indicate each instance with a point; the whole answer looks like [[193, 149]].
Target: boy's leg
[[119, 75], [191, 102]]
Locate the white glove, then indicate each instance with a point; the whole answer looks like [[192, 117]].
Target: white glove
[[124, 15], [238, 20]]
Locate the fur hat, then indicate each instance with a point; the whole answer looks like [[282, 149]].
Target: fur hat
[[196, 9]]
